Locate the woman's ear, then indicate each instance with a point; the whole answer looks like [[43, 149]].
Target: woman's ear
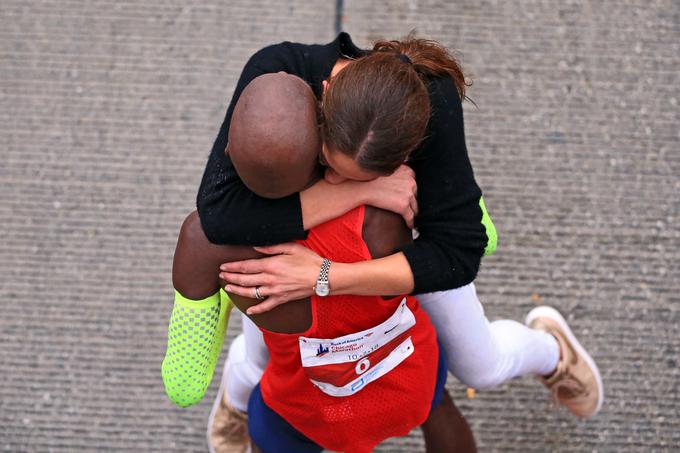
[[324, 84]]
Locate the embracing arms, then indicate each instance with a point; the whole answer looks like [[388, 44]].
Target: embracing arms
[[454, 231], [452, 237]]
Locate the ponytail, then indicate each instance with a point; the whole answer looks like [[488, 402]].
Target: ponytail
[[429, 58]]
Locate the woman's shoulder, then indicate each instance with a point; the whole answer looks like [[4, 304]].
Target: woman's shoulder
[[443, 92], [445, 133], [446, 110], [310, 62], [282, 52]]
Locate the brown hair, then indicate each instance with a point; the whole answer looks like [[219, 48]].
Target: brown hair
[[376, 109]]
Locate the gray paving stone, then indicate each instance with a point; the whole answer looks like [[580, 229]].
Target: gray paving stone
[[108, 111]]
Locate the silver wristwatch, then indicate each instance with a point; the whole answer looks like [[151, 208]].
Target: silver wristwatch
[[322, 288]]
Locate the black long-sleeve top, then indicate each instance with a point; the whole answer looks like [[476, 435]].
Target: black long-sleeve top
[[451, 239]]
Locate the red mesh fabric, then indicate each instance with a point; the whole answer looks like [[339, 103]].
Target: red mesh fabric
[[390, 406]]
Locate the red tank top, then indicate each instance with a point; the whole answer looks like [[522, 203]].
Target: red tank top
[[366, 368]]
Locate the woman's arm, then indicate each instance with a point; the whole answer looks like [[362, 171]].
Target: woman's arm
[[292, 274], [395, 193], [389, 275], [452, 234]]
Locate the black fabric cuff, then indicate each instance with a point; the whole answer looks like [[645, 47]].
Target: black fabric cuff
[[429, 273]]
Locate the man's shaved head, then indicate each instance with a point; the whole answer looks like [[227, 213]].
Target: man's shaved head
[[274, 139]]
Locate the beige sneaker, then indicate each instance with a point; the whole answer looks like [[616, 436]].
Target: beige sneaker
[[227, 426], [576, 383]]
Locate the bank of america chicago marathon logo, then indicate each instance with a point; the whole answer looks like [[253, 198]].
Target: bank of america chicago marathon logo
[[322, 351]]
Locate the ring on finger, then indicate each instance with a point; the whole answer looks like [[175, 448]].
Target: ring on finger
[[259, 296]]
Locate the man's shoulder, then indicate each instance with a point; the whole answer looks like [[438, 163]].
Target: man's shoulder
[[384, 232]]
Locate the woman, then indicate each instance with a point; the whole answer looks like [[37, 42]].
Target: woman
[[397, 104]]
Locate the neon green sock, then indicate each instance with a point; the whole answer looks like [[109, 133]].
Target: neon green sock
[[195, 337]]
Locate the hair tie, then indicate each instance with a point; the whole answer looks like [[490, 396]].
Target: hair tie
[[403, 57]]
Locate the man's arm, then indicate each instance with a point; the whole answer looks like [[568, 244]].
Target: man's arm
[[195, 275], [201, 311]]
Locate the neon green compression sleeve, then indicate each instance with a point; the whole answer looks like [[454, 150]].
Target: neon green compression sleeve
[[195, 337], [492, 236]]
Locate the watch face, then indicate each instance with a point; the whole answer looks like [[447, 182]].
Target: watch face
[[322, 289]]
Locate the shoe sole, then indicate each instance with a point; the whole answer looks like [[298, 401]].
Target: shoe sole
[[551, 313], [218, 398]]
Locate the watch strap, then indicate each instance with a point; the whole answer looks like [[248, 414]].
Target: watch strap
[[325, 268]]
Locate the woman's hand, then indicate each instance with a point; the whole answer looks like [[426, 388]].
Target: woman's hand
[[290, 274], [397, 193]]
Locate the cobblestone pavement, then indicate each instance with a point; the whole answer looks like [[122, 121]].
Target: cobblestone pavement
[[108, 111]]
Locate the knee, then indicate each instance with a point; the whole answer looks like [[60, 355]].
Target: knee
[[481, 379], [477, 371], [490, 366]]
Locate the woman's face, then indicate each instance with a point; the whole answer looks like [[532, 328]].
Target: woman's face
[[341, 167]]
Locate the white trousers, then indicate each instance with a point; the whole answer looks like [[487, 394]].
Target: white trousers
[[247, 359], [481, 354]]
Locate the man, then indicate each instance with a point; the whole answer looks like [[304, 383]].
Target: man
[[274, 144]]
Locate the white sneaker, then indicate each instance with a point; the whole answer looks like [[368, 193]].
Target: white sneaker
[[576, 383], [227, 426]]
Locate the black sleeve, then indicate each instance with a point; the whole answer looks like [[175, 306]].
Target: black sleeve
[[230, 213], [452, 238]]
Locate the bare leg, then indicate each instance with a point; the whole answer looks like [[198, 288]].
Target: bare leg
[[446, 430]]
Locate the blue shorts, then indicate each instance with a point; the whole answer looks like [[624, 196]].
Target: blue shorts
[[272, 434]]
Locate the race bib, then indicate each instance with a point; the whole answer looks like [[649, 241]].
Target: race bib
[[345, 365]]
